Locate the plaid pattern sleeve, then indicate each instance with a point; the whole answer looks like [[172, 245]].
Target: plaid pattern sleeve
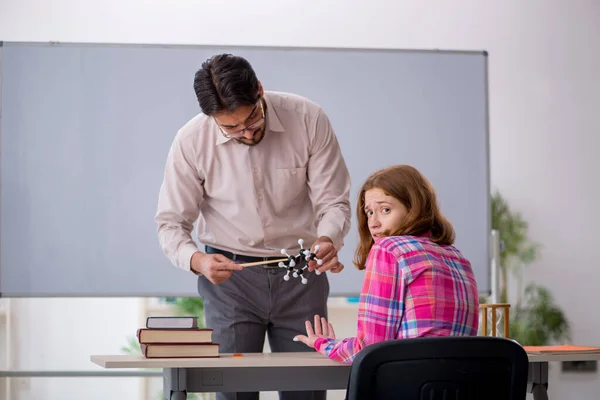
[[379, 311], [412, 288]]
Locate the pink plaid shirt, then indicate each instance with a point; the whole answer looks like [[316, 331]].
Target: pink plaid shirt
[[412, 288]]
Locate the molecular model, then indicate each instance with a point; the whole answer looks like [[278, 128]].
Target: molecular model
[[296, 265]]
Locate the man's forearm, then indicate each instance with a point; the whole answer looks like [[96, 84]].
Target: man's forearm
[[335, 225], [179, 203], [177, 245]]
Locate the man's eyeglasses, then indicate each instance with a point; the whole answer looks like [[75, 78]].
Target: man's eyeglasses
[[230, 134]]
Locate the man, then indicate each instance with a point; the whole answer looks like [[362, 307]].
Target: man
[[257, 170]]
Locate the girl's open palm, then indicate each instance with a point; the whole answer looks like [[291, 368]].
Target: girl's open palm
[[322, 329]]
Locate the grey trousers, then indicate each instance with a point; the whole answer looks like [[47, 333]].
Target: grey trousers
[[257, 301]]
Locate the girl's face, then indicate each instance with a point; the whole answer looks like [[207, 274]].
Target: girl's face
[[384, 213]]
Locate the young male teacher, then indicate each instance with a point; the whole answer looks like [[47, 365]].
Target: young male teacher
[[257, 170]]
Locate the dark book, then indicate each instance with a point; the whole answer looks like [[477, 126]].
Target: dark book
[[173, 322]]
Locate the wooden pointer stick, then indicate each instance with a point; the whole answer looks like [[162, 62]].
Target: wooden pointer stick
[[263, 262]]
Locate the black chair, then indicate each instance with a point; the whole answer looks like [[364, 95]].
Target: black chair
[[440, 368]]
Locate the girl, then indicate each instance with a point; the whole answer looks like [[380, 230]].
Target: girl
[[416, 282]]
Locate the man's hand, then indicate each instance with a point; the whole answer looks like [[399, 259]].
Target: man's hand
[[215, 267], [326, 252], [322, 329]]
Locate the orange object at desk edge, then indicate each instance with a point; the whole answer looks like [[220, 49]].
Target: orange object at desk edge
[[561, 349]]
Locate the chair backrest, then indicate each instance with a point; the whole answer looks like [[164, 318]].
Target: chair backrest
[[432, 368]]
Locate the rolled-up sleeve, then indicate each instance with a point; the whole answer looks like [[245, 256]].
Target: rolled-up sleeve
[[329, 183], [179, 200]]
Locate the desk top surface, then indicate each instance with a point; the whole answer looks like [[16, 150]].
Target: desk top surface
[[307, 359], [301, 359]]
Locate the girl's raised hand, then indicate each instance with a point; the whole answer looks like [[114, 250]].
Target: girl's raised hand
[[322, 328]]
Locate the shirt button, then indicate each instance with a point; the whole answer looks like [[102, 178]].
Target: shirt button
[[260, 197], [265, 222], [294, 172]]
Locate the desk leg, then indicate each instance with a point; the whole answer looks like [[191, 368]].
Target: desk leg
[[174, 384], [537, 382]]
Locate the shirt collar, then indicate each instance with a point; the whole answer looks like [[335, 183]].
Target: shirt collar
[[273, 122]]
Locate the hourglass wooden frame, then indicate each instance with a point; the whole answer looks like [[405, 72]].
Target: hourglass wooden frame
[[505, 310]]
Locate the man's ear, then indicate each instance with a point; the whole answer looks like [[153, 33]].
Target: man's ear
[[260, 89]]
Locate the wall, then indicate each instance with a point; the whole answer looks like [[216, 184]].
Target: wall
[[544, 93], [51, 334]]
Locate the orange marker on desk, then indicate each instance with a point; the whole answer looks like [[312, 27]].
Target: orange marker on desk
[[237, 355]]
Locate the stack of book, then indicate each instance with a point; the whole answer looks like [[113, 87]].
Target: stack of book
[[176, 337]]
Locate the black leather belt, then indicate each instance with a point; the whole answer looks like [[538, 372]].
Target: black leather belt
[[242, 258]]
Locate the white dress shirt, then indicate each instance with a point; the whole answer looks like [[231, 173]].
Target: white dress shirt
[[255, 200]]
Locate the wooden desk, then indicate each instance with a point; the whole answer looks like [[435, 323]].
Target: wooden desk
[[282, 371]]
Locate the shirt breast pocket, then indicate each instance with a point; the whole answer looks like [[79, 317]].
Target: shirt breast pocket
[[290, 188]]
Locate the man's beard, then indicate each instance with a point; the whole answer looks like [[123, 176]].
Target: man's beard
[[256, 138]]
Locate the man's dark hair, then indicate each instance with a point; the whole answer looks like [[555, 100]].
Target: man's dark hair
[[224, 83]]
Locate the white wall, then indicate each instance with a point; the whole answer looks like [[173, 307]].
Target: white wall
[[60, 334], [544, 93]]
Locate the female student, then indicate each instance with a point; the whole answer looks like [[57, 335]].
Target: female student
[[416, 282]]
